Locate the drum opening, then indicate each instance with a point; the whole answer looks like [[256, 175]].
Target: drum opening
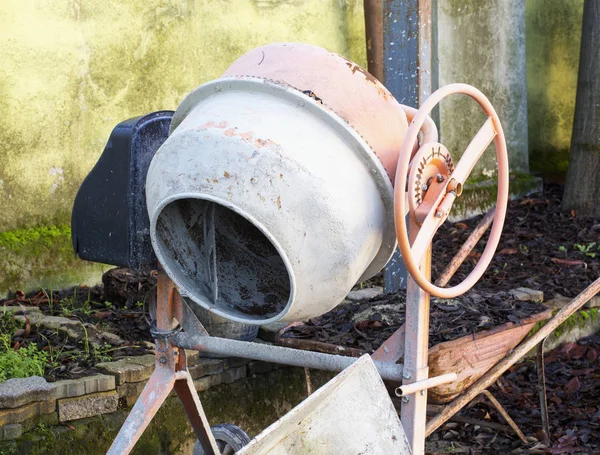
[[222, 260]]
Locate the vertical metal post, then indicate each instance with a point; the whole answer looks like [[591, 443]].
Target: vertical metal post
[[399, 38], [416, 353]]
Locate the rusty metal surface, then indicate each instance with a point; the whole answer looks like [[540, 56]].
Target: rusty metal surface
[[170, 373], [466, 248], [392, 349], [371, 110], [541, 373], [407, 74], [374, 37]]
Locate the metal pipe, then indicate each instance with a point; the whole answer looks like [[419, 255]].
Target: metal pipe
[[374, 37], [426, 384], [466, 248], [494, 373], [277, 354]]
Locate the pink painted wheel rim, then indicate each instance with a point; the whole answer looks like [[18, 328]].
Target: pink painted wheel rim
[[400, 192]]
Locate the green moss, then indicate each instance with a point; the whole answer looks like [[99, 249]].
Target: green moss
[[42, 256], [578, 320], [480, 195]]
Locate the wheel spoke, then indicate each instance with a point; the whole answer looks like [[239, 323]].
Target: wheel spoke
[[426, 232], [475, 149]]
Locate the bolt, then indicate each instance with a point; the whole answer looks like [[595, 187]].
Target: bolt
[[440, 178], [163, 360], [405, 399], [217, 88], [439, 214], [406, 375], [422, 392], [425, 187], [301, 103]]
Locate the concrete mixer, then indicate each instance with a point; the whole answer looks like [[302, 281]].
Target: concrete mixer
[[279, 187]]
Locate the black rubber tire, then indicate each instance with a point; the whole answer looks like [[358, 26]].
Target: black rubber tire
[[227, 435]]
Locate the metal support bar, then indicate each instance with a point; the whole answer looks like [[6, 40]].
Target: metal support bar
[[504, 414], [170, 373], [425, 384], [541, 372], [224, 347], [520, 351], [466, 248]]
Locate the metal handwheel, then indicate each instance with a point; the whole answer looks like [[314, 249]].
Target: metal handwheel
[[434, 182]]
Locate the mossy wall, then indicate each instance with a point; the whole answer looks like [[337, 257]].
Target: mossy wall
[[553, 39], [72, 70], [482, 43]]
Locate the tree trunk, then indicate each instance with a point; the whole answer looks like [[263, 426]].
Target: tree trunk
[[582, 190]]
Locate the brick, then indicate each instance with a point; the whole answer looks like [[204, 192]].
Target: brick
[[129, 369], [207, 382], [11, 431], [91, 384], [20, 391], [527, 294], [131, 389], [206, 367], [233, 374], [29, 411], [192, 357], [87, 406]]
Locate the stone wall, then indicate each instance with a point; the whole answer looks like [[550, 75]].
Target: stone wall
[[91, 410]]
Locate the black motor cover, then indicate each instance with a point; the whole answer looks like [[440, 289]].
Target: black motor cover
[[110, 223]]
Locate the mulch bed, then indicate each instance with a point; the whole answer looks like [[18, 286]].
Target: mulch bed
[[119, 307], [366, 325], [541, 248], [573, 390]]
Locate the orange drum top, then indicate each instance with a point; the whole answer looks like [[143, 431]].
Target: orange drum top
[[341, 85]]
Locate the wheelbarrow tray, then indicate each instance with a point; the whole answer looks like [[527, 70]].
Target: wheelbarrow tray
[[469, 356], [473, 355], [351, 414]]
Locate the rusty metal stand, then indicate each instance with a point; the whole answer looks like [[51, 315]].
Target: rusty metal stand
[[169, 374], [541, 372]]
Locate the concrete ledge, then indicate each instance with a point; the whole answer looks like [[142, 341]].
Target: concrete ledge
[[21, 391]]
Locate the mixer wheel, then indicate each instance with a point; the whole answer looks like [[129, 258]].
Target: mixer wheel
[[230, 438]]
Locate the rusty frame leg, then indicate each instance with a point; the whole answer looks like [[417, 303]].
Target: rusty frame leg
[[170, 373], [492, 399], [416, 346], [541, 372]]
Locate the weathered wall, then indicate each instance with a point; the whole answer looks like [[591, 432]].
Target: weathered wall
[[482, 43], [553, 39], [72, 70]]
